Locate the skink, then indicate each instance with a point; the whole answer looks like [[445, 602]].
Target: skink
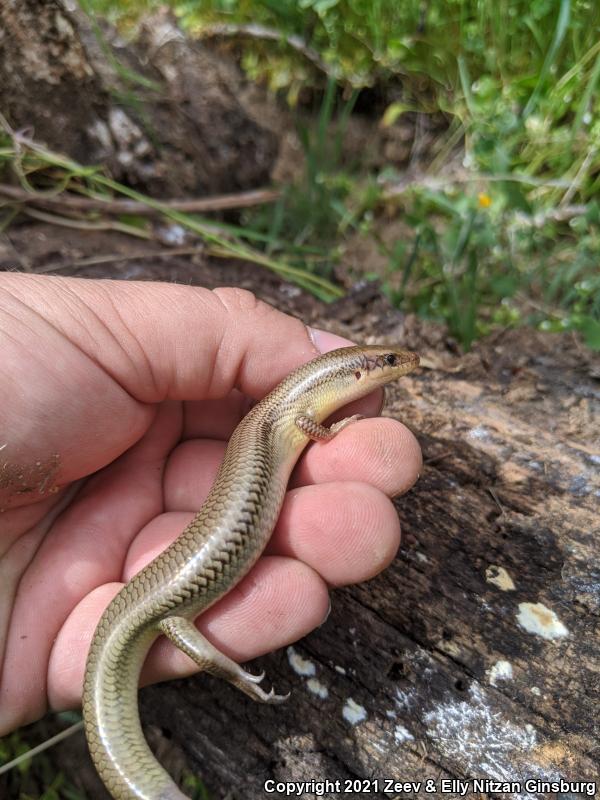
[[210, 556]]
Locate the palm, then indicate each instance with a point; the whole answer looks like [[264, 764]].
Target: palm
[[121, 517]]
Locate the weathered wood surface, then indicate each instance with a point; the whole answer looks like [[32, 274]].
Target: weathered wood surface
[[434, 651]]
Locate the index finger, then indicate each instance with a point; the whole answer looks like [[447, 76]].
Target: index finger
[[163, 341]]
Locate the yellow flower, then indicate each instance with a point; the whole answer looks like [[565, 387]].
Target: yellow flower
[[485, 201]]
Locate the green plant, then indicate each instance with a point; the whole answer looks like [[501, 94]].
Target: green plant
[[35, 778], [498, 267], [312, 211], [195, 787]]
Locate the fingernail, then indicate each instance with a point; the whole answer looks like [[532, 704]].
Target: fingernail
[[325, 341], [327, 613]]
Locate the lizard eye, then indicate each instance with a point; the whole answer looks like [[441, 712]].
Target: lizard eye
[[391, 359]]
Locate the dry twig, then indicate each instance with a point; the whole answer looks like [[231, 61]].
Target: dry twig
[[192, 205]]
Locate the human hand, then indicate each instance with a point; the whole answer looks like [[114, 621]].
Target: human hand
[[132, 389]]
